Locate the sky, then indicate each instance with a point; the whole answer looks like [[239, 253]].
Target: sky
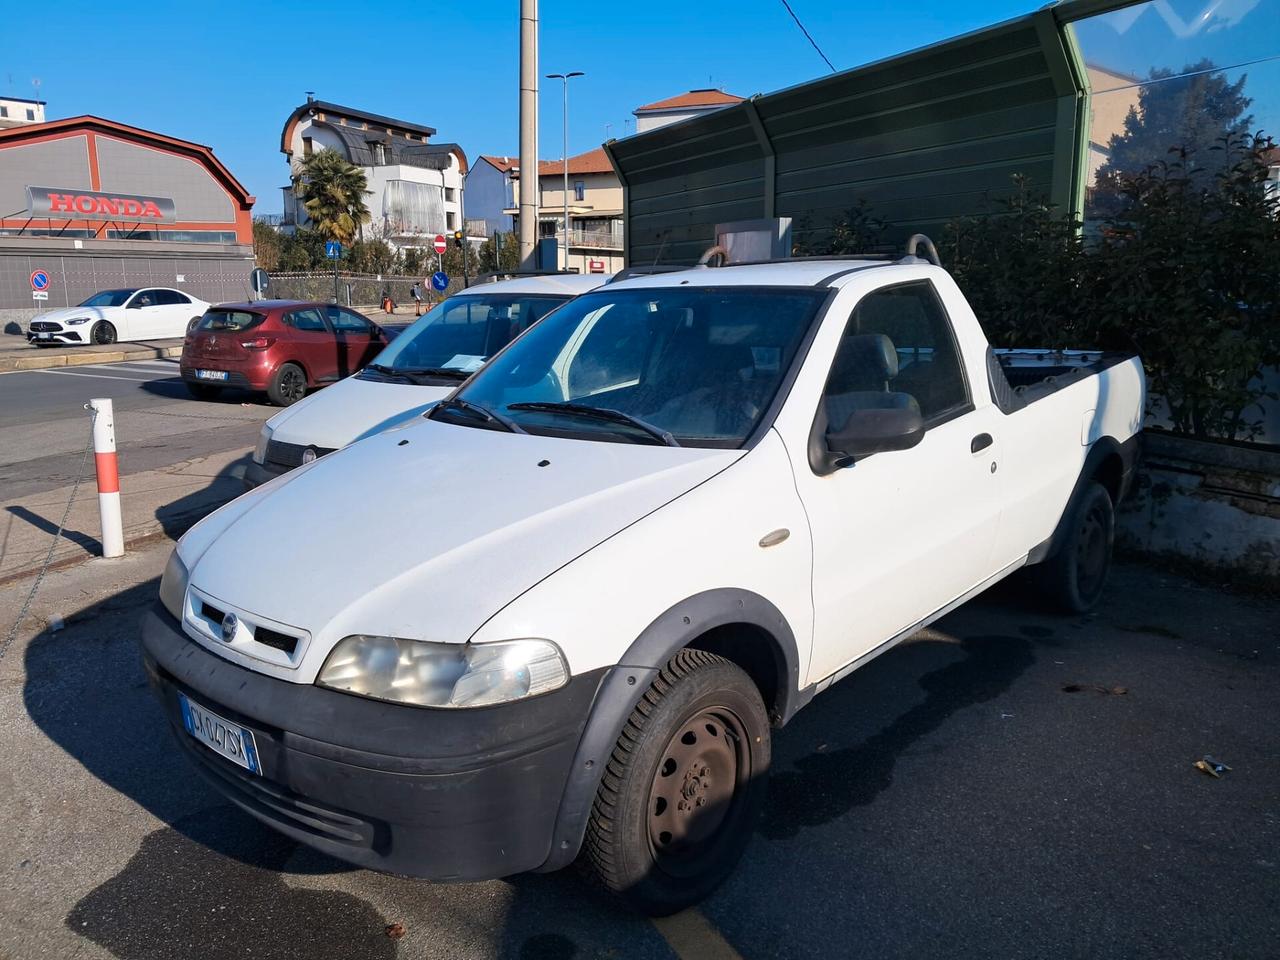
[[230, 78]]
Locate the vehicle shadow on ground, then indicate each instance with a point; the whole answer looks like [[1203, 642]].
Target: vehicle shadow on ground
[[174, 388], [178, 516]]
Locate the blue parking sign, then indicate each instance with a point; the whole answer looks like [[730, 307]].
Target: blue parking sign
[[333, 249], [440, 281]]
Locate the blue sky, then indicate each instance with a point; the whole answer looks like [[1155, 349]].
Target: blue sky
[[230, 80]]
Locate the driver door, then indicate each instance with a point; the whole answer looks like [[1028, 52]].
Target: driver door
[[898, 535], [145, 316]]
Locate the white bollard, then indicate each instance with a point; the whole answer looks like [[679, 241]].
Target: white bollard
[[108, 470]]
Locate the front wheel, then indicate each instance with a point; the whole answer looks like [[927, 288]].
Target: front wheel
[[103, 332], [684, 786], [288, 385], [1072, 580]]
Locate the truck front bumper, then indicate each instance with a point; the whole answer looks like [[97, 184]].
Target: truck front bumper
[[442, 794]]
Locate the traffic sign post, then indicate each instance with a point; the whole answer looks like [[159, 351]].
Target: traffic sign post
[[333, 250], [440, 281], [259, 280], [39, 279], [440, 245]]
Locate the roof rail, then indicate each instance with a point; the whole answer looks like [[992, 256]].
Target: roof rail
[[495, 275], [628, 272], [916, 240]]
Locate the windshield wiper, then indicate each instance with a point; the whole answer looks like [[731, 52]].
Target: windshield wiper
[[385, 371], [450, 372], [484, 412], [598, 413]]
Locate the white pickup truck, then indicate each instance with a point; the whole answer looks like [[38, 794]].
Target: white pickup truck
[[649, 530]]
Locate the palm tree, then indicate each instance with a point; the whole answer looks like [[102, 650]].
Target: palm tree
[[332, 192]]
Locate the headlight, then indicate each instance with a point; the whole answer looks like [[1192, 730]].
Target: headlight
[[444, 674], [77, 321], [173, 585], [260, 451]]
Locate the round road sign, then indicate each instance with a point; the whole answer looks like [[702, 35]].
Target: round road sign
[[440, 245], [39, 280], [440, 281]]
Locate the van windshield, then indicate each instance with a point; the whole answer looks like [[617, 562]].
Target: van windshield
[[698, 367], [461, 333]]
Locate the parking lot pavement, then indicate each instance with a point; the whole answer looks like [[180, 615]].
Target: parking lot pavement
[[1006, 784], [17, 354]]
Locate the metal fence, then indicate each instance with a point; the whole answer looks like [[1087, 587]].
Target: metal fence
[[356, 289]]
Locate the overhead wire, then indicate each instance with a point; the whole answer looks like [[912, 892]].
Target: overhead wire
[[808, 36]]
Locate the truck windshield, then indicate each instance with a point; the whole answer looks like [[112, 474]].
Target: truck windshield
[[109, 298], [694, 366], [461, 333]]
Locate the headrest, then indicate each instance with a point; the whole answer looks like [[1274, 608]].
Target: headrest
[[865, 356]]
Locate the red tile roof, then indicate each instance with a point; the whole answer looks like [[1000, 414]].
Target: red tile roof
[[593, 161], [505, 164], [694, 98]]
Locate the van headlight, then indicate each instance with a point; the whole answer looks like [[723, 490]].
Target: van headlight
[[260, 451], [444, 674], [173, 584]]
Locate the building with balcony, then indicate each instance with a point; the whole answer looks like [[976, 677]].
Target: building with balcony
[[415, 186], [491, 194]]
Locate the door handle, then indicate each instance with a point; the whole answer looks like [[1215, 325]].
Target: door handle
[[980, 442]]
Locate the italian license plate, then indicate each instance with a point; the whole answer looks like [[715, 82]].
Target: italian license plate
[[211, 374], [221, 736], [44, 336]]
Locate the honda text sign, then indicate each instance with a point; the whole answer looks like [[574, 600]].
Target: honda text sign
[[66, 203]]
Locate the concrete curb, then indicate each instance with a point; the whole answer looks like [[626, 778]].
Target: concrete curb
[[51, 357]]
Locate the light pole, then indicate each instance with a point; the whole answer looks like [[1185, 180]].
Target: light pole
[[564, 79]]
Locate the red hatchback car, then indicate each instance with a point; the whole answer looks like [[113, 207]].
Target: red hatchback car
[[283, 347]]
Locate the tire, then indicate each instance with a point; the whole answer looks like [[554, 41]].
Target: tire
[[1072, 580], [103, 332], [699, 740], [288, 385], [203, 391]]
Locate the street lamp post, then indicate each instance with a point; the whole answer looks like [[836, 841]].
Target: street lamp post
[[564, 79]]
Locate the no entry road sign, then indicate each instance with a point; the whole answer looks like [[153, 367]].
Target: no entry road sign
[[440, 245]]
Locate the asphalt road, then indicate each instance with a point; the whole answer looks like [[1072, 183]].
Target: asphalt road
[[44, 427], [1006, 784]]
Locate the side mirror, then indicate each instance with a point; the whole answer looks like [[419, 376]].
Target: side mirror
[[135, 305], [874, 431]]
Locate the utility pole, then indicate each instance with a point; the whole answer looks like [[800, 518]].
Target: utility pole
[[564, 79], [528, 133]]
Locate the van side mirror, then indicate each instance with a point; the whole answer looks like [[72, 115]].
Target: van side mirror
[[874, 431]]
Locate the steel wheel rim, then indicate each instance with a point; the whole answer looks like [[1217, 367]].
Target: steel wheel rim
[[1091, 553], [695, 790]]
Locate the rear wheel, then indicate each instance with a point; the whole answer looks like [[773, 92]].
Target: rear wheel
[[203, 391], [288, 385], [683, 787], [103, 332], [1072, 580]]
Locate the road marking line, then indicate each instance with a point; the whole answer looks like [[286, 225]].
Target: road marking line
[[94, 376], [692, 937]]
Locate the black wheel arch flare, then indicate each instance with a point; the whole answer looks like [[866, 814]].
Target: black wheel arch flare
[[712, 613]]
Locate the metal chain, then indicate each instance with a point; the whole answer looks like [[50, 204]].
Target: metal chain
[[35, 587], [189, 416]]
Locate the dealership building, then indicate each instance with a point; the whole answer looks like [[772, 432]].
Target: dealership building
[[97, 205]]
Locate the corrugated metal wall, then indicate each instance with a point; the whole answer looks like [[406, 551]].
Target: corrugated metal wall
[[922, 138]]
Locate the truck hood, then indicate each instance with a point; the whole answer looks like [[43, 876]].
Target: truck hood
[[63, 314], [427, 531], [352, 409]]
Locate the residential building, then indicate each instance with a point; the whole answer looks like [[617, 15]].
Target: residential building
[[681, 107], [491, 194], [16, 111], [595, 210], [415, 186]]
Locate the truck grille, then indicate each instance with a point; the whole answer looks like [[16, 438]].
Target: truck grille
[[289, 455]]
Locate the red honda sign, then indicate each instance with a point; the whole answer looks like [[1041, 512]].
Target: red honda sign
[[595, 266], [72, 204]]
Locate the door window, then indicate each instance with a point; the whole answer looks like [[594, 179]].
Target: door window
[[309, 319], [145, 298], [347, 321], [898, 351]]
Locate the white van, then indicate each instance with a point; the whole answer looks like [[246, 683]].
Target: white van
[[422, 365]]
